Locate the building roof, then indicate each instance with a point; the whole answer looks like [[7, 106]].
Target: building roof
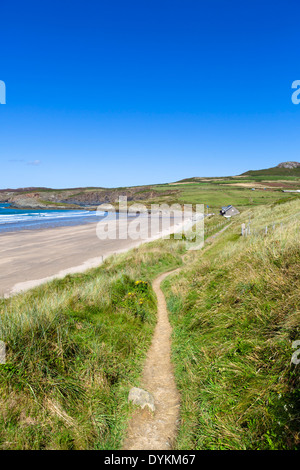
[[229, 210]]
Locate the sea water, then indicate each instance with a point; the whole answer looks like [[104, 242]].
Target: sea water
[[12, 219]]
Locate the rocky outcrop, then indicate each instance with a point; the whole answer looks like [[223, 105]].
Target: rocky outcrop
[[289, 165], [34, 201], [109, 196], [4, 197], [80, 198]]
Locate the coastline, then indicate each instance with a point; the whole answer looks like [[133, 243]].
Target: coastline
[[29, 258]]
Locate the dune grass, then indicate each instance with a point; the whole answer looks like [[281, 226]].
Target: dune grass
[[235, 310], [74, 348]]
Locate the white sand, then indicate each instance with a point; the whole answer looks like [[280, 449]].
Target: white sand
[[33, 257]]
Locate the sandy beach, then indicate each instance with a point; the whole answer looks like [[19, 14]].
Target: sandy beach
[[32, 257]]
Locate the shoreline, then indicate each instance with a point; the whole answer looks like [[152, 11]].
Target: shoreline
[[45, 228], [84, 220], [85, 266], [29, 258]]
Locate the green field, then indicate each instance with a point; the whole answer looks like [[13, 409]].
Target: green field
[[221, 191], [216, 195]]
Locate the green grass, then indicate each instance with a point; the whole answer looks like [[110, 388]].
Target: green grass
[[235, 313], [74, 348], [58, 204], [214, 224], [218, 194]]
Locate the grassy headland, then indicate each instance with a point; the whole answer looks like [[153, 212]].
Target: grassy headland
[[235, 310], [214, 192]]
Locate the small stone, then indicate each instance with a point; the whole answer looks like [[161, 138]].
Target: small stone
[[140, 397]]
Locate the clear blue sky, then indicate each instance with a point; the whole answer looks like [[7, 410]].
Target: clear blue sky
[[129, 92]]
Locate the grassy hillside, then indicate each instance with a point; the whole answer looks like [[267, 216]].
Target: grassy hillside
[[235, 310], [216, 194], [275, 171], [74, 348]]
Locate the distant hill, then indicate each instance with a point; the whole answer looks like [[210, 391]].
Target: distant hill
[[22, 190], [283, 169]]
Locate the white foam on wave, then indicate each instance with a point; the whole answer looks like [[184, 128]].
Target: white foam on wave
[[41, 216]]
